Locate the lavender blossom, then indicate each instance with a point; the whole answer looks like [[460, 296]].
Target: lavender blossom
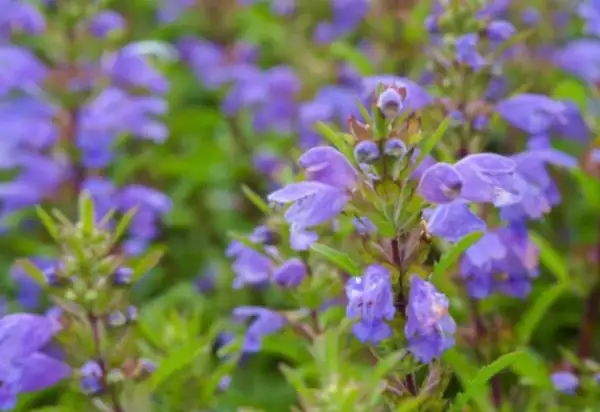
[[504, 261], [328, 187], [429, 327], [250, 267], [24, 368], [263, 322], [589, 10], [371, 302], [290, 274], [565, 382], [466, 51]]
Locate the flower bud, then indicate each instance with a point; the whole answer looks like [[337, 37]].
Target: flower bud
[[395, 148], [91, 378], [116, 319], [122, 276], [290, 274], [264, 236], [366, 152], [499, 30], [132, 314], [391, 101]]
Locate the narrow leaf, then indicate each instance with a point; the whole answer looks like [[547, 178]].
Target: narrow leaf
[[453, 254], [478, 384], [48, 222], [465, 372], [428, 144], [341, 260], [256, 200], [87, 213], [550, 258], [529, 321], [124, 223], [176, 361], [146, 263], [33, 271], [531, 367]]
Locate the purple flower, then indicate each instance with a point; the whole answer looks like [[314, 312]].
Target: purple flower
[[538, 192], [106, 22], [290, 274], [565, 382], [115, 112], [538, 114], [452, 221], [21, 69], [129, 68], [500, 30], [20, 17], [429, 327], [589, 10], [466, 51], [328, 187], [24, 368], [504, 261], [309, 114], [250, 266], [263, 322], [301, 239], [530, 16], [582, 58], [150, 206], [371, 301], [103, 194]]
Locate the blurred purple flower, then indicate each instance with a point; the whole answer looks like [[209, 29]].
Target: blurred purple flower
[[106, 22], [23, 367], [330, 179], [538, 192], [466, 51], [503, 261], [290, 274], [429, 327], [250, 267], [21, 69], [363, 226], [129, 68], [500, 30], [151, 205], [171, 10], [589, 10], [263, 322], [565, 382], [582, 58], [20, 17], [371, 301], [531, 16], [301, 239]]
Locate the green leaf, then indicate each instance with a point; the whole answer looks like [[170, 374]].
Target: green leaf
[[478, 384], [335, 138], [550, 258], [86, 212], [572, 90], [175, 362], [48, 222], [256, 200], [348, 53], [453, 254], [533, 369], [465, 371], [411, 405], [529, 321], [428, 144], [589, 186], [341, 260], [124, 223], [146, 263], [33, 271]]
